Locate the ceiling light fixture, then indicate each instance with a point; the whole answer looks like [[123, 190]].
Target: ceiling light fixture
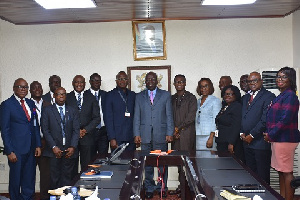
[[57, 4], [227, 2]]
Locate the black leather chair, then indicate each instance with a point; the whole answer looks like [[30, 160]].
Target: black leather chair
[[295, 183]]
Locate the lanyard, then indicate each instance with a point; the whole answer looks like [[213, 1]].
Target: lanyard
[[124, 100]]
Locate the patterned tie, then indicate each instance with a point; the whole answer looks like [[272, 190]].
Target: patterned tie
[[151, 97], [62, 116], [79, 101], [96, 95], [251, 99], [25, 109]]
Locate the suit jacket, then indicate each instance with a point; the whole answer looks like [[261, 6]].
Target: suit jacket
[[47, 97], [229, 123], [119, 126], [18, 134], [282, 118], [51, 127], [156, 119], [254, 117], [206, 115], [89, 116], [103, 94]]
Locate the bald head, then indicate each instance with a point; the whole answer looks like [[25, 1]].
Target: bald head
[[254, 81]]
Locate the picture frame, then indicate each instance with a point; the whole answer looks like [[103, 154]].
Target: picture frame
[[137, 75], [149, 40]]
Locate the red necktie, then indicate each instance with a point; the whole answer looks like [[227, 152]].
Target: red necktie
[[25, 110]]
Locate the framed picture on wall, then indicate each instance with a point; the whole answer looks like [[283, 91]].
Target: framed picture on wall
[[137, 77], [149, 40]]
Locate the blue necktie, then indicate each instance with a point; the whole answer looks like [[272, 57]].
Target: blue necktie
[[62, 116], [96, 95], [79, 101]]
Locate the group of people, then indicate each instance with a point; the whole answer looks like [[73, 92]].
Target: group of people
[[55, 129]]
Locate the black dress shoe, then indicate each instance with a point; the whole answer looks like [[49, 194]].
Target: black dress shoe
[[149, 195], [164, 194]]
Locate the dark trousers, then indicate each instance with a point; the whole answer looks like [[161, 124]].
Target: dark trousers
[[259, 161], [22, 175], [149, 170], [87, 153], [101, 141], [44, 166], [131, 147], [61, 171]]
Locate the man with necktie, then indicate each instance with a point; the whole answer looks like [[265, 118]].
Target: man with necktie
[[60, 126], [119, 107], [153, 128], [89, 119], [21, 138], [36, 92], [254, 109], [101, 139], [54, 83]]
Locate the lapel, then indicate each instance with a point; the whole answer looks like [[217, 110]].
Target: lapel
[[157, 97], [146, 97], [205, 102], [19, 107], [257, 98], [56, 114]]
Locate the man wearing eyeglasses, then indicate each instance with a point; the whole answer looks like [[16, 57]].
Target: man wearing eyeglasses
[[60, 126], [101, 139], [21, 138], [119, 111], [254, 109]]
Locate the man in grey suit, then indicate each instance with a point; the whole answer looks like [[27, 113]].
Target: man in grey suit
[[60, 126], [153, 128]]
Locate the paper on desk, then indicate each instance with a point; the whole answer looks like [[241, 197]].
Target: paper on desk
[[229, 196], [94, 196], [60, 191]]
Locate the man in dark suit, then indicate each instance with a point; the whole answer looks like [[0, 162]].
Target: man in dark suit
[[119, 113], [60, 126], [36, 92], [153, 127], [101, 141], [54, 83], [254, 109], [21, 138], [89, 118]]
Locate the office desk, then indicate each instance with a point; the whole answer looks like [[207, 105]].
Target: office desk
[[203, 175]]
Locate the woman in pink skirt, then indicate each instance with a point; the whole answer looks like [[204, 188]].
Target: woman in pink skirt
[[282, 129]]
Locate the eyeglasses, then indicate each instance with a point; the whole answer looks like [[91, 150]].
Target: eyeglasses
[[20, 87], [179, 82], [254, 81], [60, 94], [282, 77], [229, 94], [122, 79], [203, 86]]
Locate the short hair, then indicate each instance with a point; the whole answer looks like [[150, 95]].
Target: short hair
[[151, 73], [120, 73], [210, 85], [230, 80], [235, 90], [34, 82], [244, 76], [94, 75], [180, 75], [291, 74], [52, 77]]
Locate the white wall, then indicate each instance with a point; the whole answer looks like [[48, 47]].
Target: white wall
[[208, 48], [296, 38]]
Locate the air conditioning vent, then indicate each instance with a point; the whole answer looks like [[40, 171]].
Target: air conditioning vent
[[269, 79]]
